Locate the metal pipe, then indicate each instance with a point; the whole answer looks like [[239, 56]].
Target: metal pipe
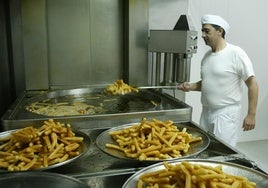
[[175, 67], [183, 68], [180, 68], [151, 73], [158, 68], [167, 68], [187, 67]]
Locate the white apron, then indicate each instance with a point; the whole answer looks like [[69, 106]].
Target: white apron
[[222, 122]]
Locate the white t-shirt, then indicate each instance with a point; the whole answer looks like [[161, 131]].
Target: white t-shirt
[[222, 75]]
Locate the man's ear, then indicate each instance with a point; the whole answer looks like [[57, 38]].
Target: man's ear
[[221, 31]]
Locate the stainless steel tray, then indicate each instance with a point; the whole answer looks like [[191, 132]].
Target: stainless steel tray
[[118, 110], [86, 102], [259, 178], [107, 104], [40, 180], [85, 146], [195, 148]]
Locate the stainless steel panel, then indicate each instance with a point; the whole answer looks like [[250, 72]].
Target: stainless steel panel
[[34, 41], [173, 41], [72, 44], [84, 37], [17, 46], [137, 68], [5, 87]]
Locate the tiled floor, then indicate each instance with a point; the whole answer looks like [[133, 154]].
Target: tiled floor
[[256, 151]]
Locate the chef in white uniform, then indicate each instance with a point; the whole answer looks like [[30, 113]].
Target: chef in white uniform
[[224, 69]]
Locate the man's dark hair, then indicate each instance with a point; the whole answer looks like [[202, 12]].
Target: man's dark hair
[[217, 27]]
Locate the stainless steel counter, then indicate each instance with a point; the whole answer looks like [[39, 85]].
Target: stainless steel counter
[[98, 169]]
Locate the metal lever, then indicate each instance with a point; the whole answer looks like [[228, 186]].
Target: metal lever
[[158, 87]]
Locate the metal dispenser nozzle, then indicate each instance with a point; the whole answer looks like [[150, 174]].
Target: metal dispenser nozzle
[[172, 50]]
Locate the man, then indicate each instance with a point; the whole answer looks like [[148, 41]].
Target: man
[[224, 68]]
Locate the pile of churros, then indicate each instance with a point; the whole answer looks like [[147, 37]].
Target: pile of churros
[[192, 175], [34, 148], [152, 140], [119, 88]]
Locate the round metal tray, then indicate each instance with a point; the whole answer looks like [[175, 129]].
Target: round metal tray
[[195, 148], [39, 180], [84, 148], [259, 178]]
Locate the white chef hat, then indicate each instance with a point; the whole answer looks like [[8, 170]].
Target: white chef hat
[[215, 20]]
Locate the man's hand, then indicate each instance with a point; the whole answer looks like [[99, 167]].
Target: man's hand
[[249, 123], [186, 86]]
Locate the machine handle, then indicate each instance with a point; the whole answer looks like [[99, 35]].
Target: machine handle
[[158, 87]]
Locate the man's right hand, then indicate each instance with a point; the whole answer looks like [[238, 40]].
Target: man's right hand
[[186, 86]]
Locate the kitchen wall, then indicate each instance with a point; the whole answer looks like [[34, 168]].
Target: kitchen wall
[[248, 30]]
